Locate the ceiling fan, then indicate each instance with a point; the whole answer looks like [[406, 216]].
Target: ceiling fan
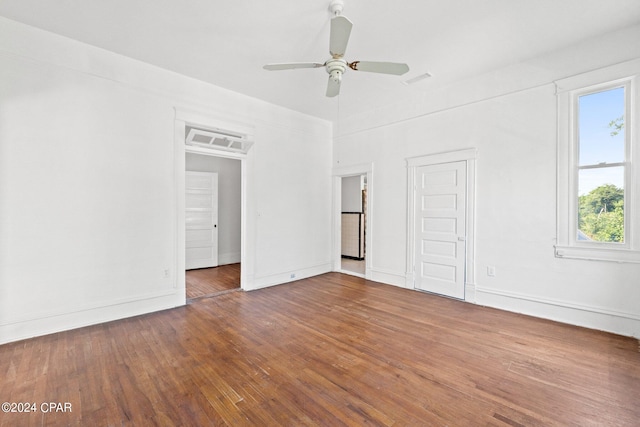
[[337, 65]]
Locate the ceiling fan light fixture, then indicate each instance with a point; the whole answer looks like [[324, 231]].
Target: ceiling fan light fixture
[[337, 65]]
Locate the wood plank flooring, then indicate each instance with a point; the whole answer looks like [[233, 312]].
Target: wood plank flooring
[[330, 350], [212, 281], [353, 265]]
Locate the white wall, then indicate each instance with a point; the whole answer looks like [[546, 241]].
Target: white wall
[[352, 194], [229, 201], [510, 117], [88, 185]]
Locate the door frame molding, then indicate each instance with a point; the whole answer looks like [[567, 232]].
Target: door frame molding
[[184, 117], [468, 155], [336, 221]]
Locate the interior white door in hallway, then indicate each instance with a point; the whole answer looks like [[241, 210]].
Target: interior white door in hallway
[[201, 219], [440, 227]]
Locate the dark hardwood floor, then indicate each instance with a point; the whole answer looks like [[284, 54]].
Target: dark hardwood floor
[[329, 350], [212, 281]]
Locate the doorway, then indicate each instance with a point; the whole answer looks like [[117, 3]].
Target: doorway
[[212, 225], [355, 183], [353, 229], [204, 133]]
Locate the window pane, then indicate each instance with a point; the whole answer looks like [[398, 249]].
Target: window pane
[[601, 127], [601, 205]]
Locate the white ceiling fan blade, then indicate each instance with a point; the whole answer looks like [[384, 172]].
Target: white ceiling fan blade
[[340, 32], [292, 66], [380, 67], [333, 87]]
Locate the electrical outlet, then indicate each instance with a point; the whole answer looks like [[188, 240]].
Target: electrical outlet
[[167, 273], [293, 275], [491, 271]]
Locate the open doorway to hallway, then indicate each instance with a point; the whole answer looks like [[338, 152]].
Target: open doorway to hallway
[[212, 225], [353, 224]]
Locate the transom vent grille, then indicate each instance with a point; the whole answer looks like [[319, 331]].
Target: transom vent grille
[[218, 139]]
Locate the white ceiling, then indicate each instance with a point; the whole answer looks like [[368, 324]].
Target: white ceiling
[[227, 42]]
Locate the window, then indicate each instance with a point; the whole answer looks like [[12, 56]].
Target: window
[[597, 165], [601, 167]]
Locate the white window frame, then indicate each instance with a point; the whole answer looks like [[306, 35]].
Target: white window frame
[[568, 92]]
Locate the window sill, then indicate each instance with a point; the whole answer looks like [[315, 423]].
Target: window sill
[[598, 254]]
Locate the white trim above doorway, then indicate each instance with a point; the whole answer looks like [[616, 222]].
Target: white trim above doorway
[[218, 140], [469, 155]]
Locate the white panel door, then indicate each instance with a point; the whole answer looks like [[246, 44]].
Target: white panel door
[[440, 203], [201, 219]]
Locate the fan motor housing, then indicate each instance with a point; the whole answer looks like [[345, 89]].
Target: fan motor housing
[[336, 6], [336, 67]]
